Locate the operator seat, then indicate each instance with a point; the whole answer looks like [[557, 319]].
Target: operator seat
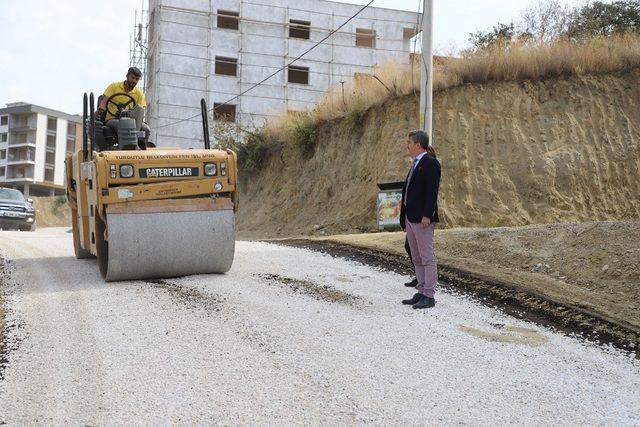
[[108, 133]]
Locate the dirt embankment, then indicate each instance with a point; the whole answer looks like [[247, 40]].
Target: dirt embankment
[[52, 211], [512, 154]]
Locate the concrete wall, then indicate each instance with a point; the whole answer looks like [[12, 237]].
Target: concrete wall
[[3, 146], [184, 40], [61, 150], [41, 146]]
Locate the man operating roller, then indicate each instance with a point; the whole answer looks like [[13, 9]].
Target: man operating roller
[[124, 95]]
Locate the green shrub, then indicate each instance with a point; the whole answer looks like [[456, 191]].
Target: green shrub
[[58, 202], [355, 114], [252, 153], [301, 132]]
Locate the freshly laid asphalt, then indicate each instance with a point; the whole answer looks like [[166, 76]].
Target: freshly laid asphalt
[[286, 336]]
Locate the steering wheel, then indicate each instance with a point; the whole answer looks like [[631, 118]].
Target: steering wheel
[[120, 106]]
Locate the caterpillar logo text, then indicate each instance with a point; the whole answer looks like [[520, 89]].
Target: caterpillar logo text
[[168, 172]]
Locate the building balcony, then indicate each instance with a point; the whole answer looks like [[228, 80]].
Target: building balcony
[[20, 161], [22, 127], [11, 178], [15, 144]]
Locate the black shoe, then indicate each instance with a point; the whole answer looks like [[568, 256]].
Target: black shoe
[[425, 302], [413, 300], [412, 284]]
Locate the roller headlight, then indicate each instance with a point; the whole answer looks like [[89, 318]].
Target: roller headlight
[[223, 168], [210, 169], [126, 171], [218, 186]]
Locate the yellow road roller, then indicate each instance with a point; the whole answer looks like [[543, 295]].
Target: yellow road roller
[[146, 212]]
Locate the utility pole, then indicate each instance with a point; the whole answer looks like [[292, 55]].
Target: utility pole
[[426, 83]]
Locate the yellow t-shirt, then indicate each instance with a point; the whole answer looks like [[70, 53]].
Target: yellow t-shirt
[[118, 87]]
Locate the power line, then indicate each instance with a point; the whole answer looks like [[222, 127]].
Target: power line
[[278, 71]]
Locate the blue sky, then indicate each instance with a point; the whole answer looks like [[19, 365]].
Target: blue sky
[[51, 52]]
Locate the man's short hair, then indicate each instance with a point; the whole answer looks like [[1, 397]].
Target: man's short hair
[[135, 71], [419, 137]]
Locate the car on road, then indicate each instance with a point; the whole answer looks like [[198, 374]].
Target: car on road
[[16, 212]]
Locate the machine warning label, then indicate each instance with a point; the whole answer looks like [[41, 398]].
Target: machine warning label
[[168, 172], [125, 193]]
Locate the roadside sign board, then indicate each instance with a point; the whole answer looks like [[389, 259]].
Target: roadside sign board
[[388, 209]]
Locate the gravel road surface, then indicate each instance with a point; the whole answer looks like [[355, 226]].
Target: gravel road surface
[[287, 336]]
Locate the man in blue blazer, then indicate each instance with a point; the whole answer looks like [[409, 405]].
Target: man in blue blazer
[[419, 215]]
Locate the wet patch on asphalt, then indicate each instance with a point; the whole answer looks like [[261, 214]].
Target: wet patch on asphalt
[[189, 296], [508, 334], [312, 289]]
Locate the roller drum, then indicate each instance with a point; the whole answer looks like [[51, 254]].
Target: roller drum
[[169, 244]]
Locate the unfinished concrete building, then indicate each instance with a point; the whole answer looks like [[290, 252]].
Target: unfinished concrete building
[[216, 49]]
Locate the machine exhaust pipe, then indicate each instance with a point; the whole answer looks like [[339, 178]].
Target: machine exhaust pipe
[[205, 124], [84, 127], [92, 122]]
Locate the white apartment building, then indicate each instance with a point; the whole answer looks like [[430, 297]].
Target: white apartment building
[[216, 49], [34, 142]]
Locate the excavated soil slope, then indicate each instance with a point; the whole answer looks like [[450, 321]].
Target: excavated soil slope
[[52, 211], [513, 153]]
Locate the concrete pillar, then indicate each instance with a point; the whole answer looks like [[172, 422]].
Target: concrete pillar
[[52, 192], [25, 190]]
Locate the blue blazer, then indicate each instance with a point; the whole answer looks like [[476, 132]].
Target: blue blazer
[[421, 193]]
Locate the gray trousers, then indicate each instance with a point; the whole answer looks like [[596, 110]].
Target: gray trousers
[[424, 257]]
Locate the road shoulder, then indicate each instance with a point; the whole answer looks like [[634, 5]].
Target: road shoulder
[[526, 295]]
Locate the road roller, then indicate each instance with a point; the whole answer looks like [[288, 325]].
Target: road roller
[[148, 212]]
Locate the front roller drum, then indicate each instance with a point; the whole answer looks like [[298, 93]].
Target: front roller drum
[[167, 244]]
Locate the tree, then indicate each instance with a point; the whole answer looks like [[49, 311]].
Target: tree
[[499, 35], [605, 19], [546, 21]]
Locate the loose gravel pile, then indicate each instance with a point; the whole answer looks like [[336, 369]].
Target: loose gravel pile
[[258, 345]]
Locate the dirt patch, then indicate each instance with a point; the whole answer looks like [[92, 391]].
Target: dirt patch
[[52, 211], [315, 290], [189, 296], [508, 334], [491, 291]]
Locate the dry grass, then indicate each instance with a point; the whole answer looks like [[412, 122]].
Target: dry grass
[[562, 58], [515, 63]]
